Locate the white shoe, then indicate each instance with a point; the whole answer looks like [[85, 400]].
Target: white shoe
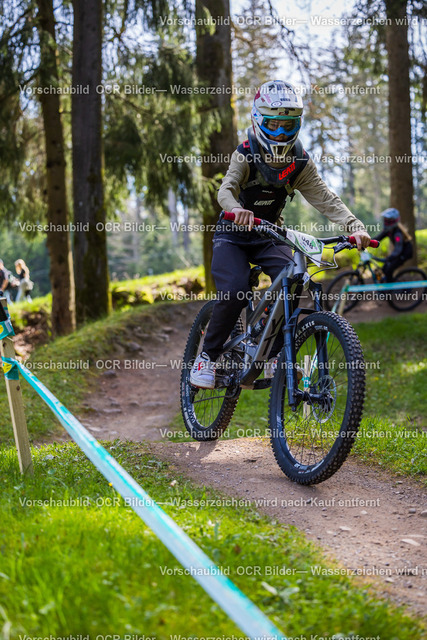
[[202, 374], [270, 367]]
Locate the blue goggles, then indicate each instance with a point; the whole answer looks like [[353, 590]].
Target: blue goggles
[[281, 125]]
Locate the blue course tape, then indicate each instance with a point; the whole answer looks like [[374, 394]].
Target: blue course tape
[[239, 608], [10, 368], [6, 329], [386, 286]]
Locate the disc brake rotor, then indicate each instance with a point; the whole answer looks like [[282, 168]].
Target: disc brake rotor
[[324, 408]]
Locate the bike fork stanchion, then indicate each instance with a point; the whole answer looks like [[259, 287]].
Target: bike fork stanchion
[[316, 288], [14, 393], [289, 344], [306, 382]]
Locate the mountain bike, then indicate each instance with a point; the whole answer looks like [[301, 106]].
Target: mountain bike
[[369, 271], [317, 391]]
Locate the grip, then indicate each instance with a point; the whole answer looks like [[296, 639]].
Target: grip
[[228, 215], [374, 243]]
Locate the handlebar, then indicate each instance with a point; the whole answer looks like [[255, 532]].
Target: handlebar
[[228, 215], [373, 243]]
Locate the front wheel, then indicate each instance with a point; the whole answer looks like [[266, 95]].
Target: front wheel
[[407, 299], [207, 412], [334, 291], [311, 442]]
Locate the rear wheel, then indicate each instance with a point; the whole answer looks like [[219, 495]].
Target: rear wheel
[[311, 443], [207, 412], [334, 291], [407, 299]]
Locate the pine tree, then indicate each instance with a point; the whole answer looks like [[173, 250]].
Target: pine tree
[[399, 114], [214, 69], [394, 37], [255, 55], [25, 184], [90, 245]]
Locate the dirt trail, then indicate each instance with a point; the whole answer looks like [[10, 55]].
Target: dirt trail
[[367, 519], [138, 393], [371, 521]]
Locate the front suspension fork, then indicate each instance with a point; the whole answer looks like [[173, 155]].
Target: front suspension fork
[[289, 345], [295, 396]]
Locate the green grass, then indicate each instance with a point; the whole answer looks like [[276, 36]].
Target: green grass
[[396, 389], [125, 294], [393, 432], [421, 236], [167, 286], [95, 568], [82, 350], [162, 279], [20, 311]]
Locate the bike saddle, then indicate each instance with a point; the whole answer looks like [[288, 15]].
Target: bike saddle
[[254, 276]]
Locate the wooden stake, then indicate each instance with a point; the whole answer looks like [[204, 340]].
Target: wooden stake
[[343, 298], [16, 406]]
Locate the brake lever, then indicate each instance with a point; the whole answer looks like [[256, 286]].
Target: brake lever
[[268, 232], [264, 231], [343, 245], [272, 234]]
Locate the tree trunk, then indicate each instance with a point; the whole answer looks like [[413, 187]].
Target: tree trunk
[[90, 241], [58, 238], [173, 217], [399, 109], [185, 231], [376, 148], [136, 238], [214, 69]]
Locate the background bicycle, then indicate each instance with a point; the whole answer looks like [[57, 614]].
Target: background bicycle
[[369, 271]]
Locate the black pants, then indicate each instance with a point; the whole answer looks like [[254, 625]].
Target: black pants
[[232, 253], [392, 263]]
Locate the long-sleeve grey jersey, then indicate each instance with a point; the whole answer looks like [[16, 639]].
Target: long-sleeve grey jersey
[[308, 183]]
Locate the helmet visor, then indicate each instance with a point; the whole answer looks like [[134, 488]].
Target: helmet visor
[[281, 125], [390, 222]]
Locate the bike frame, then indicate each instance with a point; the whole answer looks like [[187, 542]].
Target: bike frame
[[285, 291], [367, 264]]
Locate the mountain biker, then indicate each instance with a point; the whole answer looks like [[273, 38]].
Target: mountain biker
[[5, 281], [399, 237], [264, 170]]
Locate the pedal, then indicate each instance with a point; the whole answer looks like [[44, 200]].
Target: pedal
[[262, 384]]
